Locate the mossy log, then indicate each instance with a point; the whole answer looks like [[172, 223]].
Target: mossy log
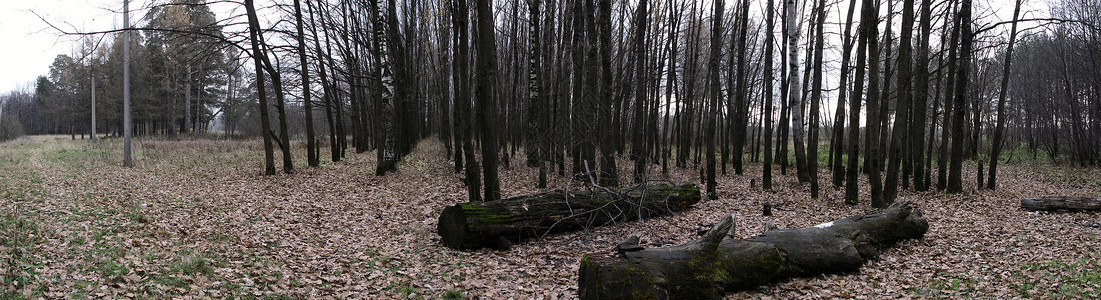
[[715, 264], [1069, 204], [497, 224]]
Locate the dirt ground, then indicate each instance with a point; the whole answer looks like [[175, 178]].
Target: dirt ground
[[195, 219]]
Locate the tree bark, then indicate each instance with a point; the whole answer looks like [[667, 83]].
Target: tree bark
[[265, 123], [487, 97], [715, 264], [385, 112], [872, 121], [898, 148], [955, 168], [921, 92], [838, 145], [713, 79], [766, 176], [816, 98], [1069, 204], [496, 224], [999, 129], [794, 93], [307, 104]]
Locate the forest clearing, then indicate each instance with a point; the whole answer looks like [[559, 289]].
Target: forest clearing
[[196, 218]]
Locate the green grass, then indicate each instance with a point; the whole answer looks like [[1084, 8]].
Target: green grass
[[192, 265], [453, 295], [408, 292], [1076, 279], [18, 240]]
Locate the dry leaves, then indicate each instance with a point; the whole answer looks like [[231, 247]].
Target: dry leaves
[[195, 219]]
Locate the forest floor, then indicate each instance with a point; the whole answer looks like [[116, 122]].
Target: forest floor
[[195, 219]]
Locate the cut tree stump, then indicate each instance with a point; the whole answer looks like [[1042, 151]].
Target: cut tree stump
[[715, 264], [497, 224], [1069, 204]]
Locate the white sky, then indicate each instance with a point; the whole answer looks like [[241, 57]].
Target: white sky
[[30, 45]]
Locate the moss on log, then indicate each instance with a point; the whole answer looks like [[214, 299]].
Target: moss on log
[[1068, 204], [497, 224], [710, 267]]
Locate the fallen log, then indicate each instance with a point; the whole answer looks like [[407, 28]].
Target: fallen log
[[1069, 204], [715, 264], [497, 224]]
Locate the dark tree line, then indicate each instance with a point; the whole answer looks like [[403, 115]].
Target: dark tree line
[[575, 85]]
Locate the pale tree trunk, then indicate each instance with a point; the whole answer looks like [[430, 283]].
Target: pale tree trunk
[[187, 101], [93, 136], [999, 130], [127, 123], [384, 112], [536, 131]]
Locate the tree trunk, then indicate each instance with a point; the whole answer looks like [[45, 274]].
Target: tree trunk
[[741, 113], [496, 224], [867, 21], [816, 98], [955, 169], [1069, 204], [487, 98], [898, 148], [713, 82], [386, 111], [254, 32], [921, 92], [872, 121], [996, 146], [766, 176], [838, 145], [307, 105], [463, 131], [715, 264], [609, 173]]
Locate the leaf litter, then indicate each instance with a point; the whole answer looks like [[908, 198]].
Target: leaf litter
[[195, 219]]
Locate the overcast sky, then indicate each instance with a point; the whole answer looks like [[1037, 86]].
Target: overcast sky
[[30, 45]]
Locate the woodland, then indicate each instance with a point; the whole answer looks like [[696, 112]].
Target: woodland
[[531, 149]]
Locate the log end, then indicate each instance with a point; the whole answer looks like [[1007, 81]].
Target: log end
[[452, 226]]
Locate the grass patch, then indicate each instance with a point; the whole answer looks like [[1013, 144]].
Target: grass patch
[[18, 239], [408, 292], [1076, 279], [192, 265], [453, 295]]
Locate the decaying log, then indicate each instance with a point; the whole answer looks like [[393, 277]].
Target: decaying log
[[1069, 204], [497, 224], [715, 264]]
